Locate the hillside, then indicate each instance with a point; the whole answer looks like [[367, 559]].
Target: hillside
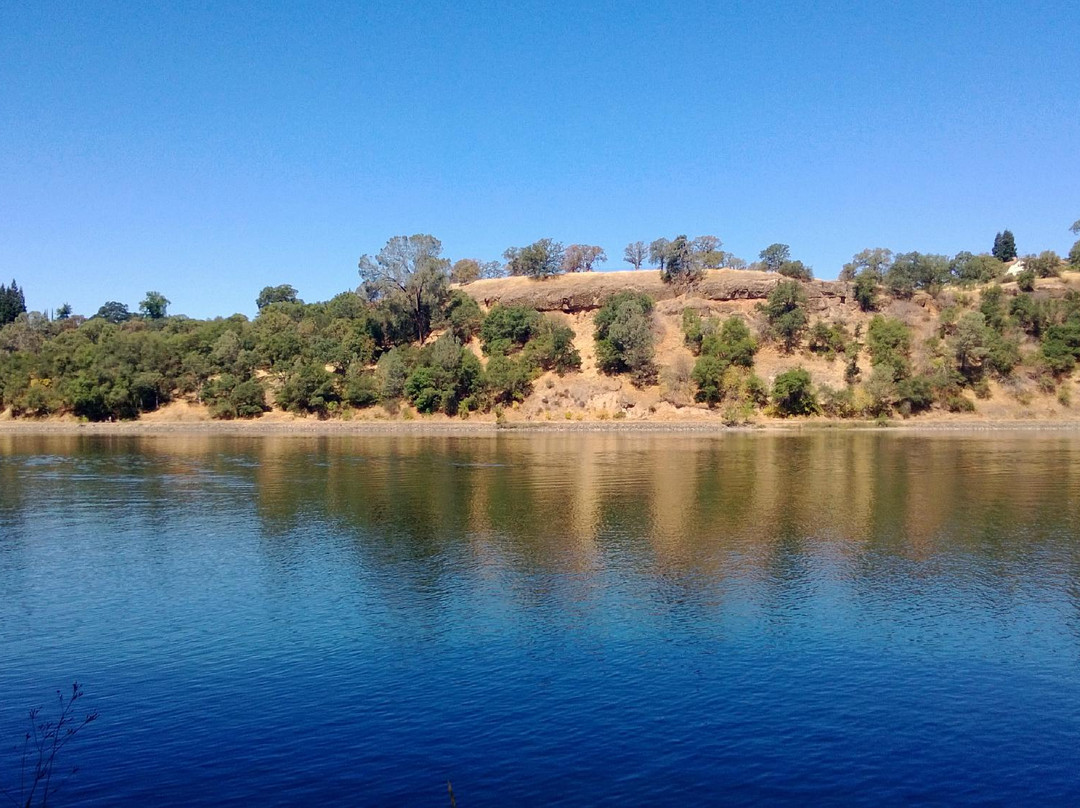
[[300, 361], [591, 395]]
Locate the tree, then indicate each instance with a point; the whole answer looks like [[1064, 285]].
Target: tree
[[1004, 246], [874, 262], [968, 268], [797, 270], [889, 342], [681, 262], [64, 312], [465, 271], [114, 312], [1074, 256], [774, 255], [468, 270], [276, 294], [708, 252], [408, 270], [12, 303], [1075, 228], [541, 259], [970, 343], [658, 253], [785, 311], [624, 337], [154, 305], [866, 291], [914, 270], [1046, 264], [581, 257], [635, 254], [793, 394]]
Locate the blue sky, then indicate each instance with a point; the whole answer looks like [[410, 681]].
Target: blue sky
[[206, 149]]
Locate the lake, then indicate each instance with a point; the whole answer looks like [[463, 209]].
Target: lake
[[548, 619]]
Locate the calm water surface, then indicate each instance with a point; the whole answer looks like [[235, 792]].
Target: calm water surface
[[548, 619]]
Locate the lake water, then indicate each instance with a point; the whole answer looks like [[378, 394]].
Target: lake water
[[552, 619]]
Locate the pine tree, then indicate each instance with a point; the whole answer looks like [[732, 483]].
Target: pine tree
[[12, 303], [1004, 246]]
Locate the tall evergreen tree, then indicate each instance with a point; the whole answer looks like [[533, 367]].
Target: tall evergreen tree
[[1004, 246], [12, 303]]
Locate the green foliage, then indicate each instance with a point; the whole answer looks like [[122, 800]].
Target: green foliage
[[1004, 246], [446, 375], [914, 394], [361, 388], [872, 263], [866, 291], [774, 256], [1046, 264], [229, 397], [582, 257], [276, 294], [785, 312], [797, 270], [733, 344], [793, 393], [1074, 256], [1029, 313], [541, 259], [889, 343], [1061, 345], [829, 339], [114, 312], [154, 306], [551, 347], [12, 303], [507, 328], [968, 268], [1025, 280], [308, 388], [970, 344], [708, 375], [508, 380], [679, 262], [911, 271], [463, 315], [992, 307], [409, 275], [391, 373], [624, 337], [693, 328]]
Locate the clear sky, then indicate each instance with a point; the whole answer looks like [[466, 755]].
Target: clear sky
[[208, 149]]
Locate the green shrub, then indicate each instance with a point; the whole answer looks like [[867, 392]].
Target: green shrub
[[552, 347], [624, 337], [785, 312], [1025, 280], [507, 328], [793, 393]]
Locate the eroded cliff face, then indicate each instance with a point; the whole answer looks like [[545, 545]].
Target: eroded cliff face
[[588, 291]]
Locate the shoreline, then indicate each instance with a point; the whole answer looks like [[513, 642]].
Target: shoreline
[[305, 428]]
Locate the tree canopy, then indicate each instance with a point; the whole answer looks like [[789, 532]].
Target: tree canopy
[[409, 272], [12, 303]]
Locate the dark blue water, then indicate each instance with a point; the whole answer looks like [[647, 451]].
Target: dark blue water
[[548, 620]]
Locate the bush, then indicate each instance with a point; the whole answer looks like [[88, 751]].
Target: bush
[[829, 339], [707, 375], [1074, 256], [463, 315], [507, 328], [308, 388], [1046, 264], [793, 393], [889, 343], [552, 347], [866, 291], [1025, 280], [624, 337], [507, 380], [785, 311], [732, 344], [228, 398]]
